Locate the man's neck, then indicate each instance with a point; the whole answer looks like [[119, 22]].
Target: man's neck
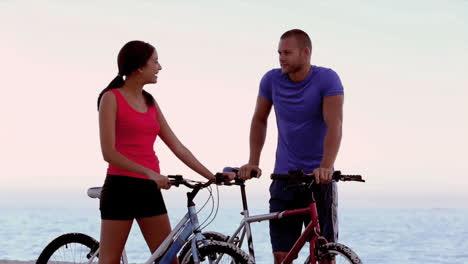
[[300, 75]]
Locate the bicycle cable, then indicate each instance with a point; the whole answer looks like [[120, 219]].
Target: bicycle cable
[[216, 212], [212, 207], [207, 200]]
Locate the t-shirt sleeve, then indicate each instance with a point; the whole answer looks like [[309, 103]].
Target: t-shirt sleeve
[[332, 85], [266, 89]]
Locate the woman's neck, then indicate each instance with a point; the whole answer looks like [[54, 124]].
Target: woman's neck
[[133, 87]]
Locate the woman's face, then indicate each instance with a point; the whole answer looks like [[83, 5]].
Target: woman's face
[[151, 69]]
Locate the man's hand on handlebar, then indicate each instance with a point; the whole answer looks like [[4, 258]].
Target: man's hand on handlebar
[[322, 175], [245, 172]]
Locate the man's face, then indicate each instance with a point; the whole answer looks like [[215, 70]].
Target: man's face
[[291, 56]]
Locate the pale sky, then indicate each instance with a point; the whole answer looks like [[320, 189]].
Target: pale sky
[[402, 64]]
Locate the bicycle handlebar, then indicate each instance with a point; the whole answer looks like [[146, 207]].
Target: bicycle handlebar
[[297, 176], [300, 176], [220, 179], [176, 180], [237, 180]]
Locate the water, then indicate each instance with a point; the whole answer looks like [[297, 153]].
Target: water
[[376, 235]]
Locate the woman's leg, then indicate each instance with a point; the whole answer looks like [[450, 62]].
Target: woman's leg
[[155, 229], [114, 234]]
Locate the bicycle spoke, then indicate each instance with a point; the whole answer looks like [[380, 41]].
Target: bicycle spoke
[[72, 253]]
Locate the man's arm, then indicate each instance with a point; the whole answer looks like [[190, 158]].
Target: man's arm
[[258, 130], [333, 116]]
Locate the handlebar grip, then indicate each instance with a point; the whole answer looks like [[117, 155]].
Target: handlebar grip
[[336, 175], [175, 180], [176, 177], [254, 174], [300, 175], [221, 179], [352, 178]]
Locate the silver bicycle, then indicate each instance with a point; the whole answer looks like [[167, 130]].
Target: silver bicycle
[[81, 248]]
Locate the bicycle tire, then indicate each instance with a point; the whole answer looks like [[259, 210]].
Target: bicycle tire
[[209, 235], [341, 253], [53, 253], [213, 250]]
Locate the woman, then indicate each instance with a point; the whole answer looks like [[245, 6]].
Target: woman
[[129, 121]]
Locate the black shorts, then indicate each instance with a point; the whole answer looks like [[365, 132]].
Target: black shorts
[[127, 198], [285, 232]]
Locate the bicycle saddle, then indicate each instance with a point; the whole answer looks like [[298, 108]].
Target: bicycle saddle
[[95, 192]]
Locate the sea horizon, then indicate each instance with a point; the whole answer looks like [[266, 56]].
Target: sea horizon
[[377, 235]]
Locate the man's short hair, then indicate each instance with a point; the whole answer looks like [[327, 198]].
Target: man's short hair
[[302, 38]]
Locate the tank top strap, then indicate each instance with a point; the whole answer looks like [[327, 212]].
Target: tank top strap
[[118, 96], [121, 102]]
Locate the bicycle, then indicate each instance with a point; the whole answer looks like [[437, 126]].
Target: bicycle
[[320, 248], [188, 229]]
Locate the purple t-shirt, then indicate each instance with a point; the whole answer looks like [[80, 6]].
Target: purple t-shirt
[[298, 109]]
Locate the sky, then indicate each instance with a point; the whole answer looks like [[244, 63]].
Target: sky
[[403, 65]]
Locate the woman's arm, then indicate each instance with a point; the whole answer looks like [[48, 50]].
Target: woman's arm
[[181, 152], [107, 117]]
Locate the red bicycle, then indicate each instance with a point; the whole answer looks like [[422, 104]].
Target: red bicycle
[[320, 248]]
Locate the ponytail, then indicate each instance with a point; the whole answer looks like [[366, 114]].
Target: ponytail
[[116, 83]]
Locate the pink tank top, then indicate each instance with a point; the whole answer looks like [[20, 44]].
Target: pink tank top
[[135, 134]]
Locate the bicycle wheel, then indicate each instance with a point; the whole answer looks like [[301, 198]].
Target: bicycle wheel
[[209, 235], [70, 248], [339, 252], [220, 251]]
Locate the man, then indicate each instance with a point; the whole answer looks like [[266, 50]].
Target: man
[[308, 102]]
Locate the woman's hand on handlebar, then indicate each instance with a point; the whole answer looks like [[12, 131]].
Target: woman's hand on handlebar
[[161, 180], [229, 176]]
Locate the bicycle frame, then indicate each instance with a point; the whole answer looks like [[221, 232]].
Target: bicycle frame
[[178, 237], [310, 234], [169, 248]]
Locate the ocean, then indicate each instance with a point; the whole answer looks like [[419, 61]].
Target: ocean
[[377, 235]]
